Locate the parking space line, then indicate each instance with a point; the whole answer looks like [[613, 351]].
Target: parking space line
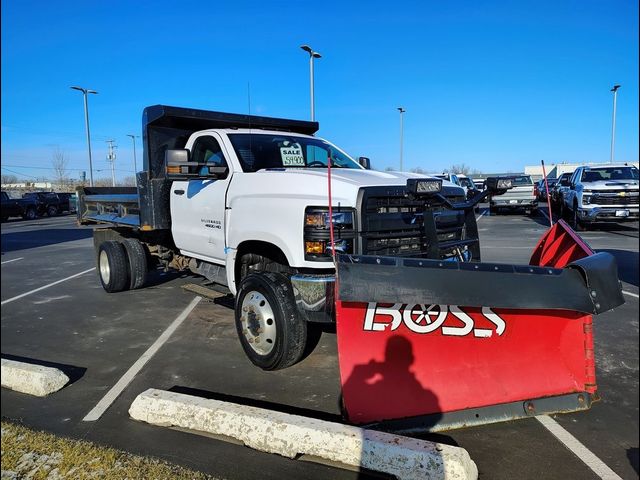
[[582, 452], [46, 286], [480, 216], [106, 401], [634, 295], [12, 260]]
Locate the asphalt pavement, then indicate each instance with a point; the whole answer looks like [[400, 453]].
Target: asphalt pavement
[[98, 339]]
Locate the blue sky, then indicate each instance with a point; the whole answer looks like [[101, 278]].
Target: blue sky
[[494, 85]]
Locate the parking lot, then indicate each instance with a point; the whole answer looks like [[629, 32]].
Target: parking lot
[[55, 311]]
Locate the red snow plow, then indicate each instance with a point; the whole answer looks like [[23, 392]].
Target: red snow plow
[[427, 344]]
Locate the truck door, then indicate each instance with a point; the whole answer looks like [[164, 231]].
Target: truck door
[[198, 206]]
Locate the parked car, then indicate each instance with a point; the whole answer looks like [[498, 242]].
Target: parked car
[[607, 193], [467, 183], [521, 197], [18, 207], [47, 203], [558, 189], [65, 201], [542, 189], [450, 177]]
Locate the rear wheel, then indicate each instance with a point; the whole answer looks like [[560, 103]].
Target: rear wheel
[[266, 320], [137, 257], [30, 214], [113, 268], [52, 211]]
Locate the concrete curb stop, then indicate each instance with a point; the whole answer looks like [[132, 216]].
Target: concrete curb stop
[[32, 379], [291, 435]]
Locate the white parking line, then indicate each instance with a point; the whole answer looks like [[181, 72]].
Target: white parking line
[[634, 295], [582, 452], [46, 286], [12, 260], [481, 215], [106, 401]]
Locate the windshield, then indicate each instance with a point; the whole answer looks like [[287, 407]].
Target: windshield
[[522, 180], [609, 173], [466, 182], [257, 151]]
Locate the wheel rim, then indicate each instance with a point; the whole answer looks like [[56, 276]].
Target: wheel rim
[[258, 323], [105, 270]]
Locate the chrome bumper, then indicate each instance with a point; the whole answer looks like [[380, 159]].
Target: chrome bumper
[[603, 214], [315, 297]]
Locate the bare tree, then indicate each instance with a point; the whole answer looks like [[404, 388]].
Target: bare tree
[[417, 170], [127, 182], [59, 163], [102, 182], [460, 168], [9, 179]]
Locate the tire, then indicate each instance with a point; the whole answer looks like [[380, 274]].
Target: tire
[[137, 258], [270, 333], [576, 224], [52, 211], [30, 214], [113, 266]]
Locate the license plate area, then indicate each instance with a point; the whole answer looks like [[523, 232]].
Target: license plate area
[[622, 213]]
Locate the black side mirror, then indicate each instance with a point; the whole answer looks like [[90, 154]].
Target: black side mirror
[[179, 167], [365, 162]]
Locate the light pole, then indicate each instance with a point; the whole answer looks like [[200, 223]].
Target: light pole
[[135, 165], [613, 126], [85, 92], [312, 55], [401, 110]]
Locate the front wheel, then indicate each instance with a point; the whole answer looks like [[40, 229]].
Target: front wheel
[[52, 211], [576, 224], [271, 334]]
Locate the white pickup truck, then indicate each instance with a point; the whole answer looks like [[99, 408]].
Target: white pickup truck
[[602, 193], [243, 201]]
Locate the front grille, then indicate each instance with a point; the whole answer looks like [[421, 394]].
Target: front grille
[[614, 197], [392, 224]]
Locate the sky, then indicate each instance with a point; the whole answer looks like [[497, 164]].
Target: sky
[[495, 85]]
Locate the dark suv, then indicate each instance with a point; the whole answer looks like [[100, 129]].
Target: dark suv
[[46, 202]]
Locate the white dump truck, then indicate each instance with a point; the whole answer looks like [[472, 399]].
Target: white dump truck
[[242, 201]]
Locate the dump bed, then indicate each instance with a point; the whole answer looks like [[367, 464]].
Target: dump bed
[[118, 206]]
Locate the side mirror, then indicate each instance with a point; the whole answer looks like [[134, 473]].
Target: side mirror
[[179, 167], [365, 162]]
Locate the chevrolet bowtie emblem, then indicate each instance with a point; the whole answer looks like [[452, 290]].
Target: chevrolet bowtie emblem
[[622, 194]]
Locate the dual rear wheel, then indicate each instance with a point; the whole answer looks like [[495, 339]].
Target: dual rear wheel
[[122, 265]]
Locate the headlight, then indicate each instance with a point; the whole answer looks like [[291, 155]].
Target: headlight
[[317, 243], [320, 218]]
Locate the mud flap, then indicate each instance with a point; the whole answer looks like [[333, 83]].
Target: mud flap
[[426, 339]]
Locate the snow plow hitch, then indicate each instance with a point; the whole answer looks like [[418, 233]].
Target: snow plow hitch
[[428, 345]]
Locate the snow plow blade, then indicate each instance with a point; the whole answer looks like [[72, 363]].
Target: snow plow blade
[[429, 345]]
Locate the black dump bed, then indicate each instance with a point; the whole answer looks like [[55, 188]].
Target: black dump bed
[[165, 128]]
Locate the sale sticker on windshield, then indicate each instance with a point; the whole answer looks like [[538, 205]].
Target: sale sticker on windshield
[[292, 156]]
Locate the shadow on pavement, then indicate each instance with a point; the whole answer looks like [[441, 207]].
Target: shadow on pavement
[[74, 373], [632, 455], [278, 407], [627, 261], [13, 241]]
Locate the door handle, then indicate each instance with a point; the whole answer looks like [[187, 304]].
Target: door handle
[[179, 192]]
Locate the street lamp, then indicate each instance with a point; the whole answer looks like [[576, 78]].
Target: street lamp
[[312, 55], [135, 166], [613, 126], [401, 110], [86, 91]]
